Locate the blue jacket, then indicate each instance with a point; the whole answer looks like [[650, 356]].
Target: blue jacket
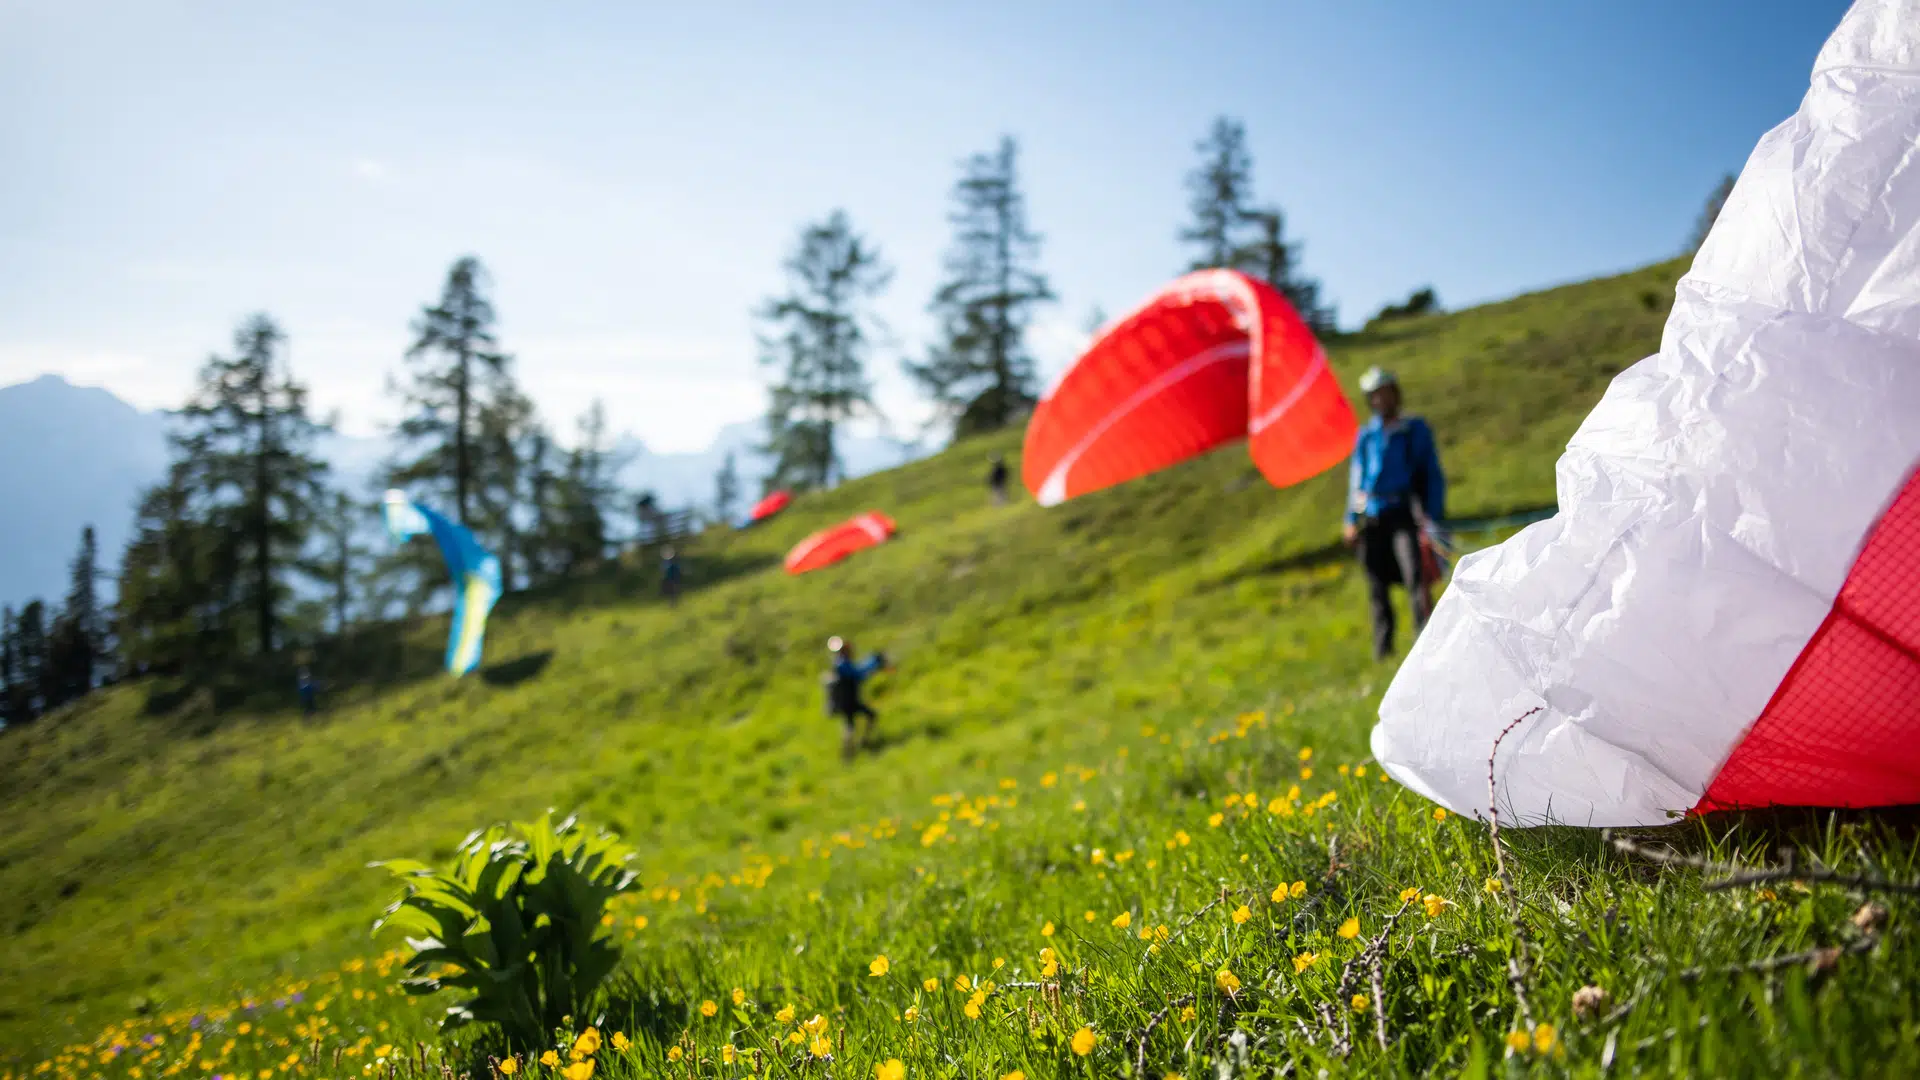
[[1393, 464], [846, 669]]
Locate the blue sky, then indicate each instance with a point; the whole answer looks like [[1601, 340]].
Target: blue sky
[[633, 174]]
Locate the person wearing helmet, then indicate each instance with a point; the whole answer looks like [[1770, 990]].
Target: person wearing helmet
[[1395, 492], [843, 685]]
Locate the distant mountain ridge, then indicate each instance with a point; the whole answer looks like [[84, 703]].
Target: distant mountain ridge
[[72, 456]]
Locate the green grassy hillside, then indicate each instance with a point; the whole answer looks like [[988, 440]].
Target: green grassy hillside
[[1075, 684]]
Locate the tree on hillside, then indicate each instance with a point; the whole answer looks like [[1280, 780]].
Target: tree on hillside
[[586, 495], [76, 642], [1229, 230], [246, 448], [179, 575], [816, 338], [1422, 301], [726, 490], [1711, 213], [507, 431], [23, 655], [341, 558], [456, 369], [980, 374]]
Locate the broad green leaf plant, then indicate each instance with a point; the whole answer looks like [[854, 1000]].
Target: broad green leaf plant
[[515, 922]]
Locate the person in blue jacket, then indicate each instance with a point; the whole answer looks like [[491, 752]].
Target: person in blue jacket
[[843, 693], [1395, 491]]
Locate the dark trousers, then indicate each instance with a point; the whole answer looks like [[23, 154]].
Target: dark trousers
[[850, 720], [1390, 553]]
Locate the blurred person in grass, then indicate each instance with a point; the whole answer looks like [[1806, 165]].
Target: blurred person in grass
[[1396, 499], [844, 682]]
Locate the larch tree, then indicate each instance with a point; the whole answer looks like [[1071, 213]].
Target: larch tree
[[816, 339], [246, 447], [726, 489], [979, 374], [456, 368], [1230, 230]]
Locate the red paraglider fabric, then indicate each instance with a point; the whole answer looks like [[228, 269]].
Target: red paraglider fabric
[[1214, 357], [771, 505], [1843, 729], [836, 542]]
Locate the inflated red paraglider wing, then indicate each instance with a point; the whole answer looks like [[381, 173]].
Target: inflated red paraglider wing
[[1299, 423], [1177, 378], [771, 505], [836, 542]]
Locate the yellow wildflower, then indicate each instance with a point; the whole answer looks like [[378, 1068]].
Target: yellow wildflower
[[1306, 753], [931, 985], [912, 1013], [817, 1025], [1360, 772], [588, 1043], [1180, 837], [1304, 961], [1297, 890], [797, 1038], [1187, 1015], [1543, 1039], [972, 1007], [1279, 893], [1090, 916], [1214, 820], [1015, 1075], [510, 1066], [739, 996], [1083, 1041], [1306, 772], [878, 967], [1047, 930], [1518, 1042], [1241, 915], [1410, 894], [1227, 981], [1439, 813], [891, 1069], [785, 1015], [708, 1008], [728, 1054], [1350, 929], [962, 983], [820, 1046], [621, 1042], [1049, 779], [1345, 770], [1493, 885], [639, 922], [1434, 905], [579, 1070], [1123, 920], [1360, 1003], [552, 1060], [1048, 964]]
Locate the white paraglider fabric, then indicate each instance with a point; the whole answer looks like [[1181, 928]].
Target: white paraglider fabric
[[1713, 503]]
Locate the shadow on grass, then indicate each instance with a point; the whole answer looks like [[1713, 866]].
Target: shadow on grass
[[518, 670]]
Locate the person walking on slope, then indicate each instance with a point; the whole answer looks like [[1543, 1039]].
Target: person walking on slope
[[670, 576], [997, 480], [1395, 492], [843, 693]]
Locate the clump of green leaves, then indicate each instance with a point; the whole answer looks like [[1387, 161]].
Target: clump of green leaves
[[515, 922]]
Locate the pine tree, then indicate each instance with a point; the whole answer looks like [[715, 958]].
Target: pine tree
[[1230, 231], [12, 703], [726, 490], [587, 493], [246, 449], [178, 581], [340, 563], [456, 369], [1222, 194], [1711, 213], [28, 685], [537, 543], [816, 337], [508, 428], [75, 641], [980, 374]]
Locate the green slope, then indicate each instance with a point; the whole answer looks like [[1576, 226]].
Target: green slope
[[165, 850]]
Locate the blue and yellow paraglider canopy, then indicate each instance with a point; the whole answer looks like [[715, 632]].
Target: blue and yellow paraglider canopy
[[474, 570]]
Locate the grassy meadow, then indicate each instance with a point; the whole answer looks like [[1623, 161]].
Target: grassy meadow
[[1119, 821]]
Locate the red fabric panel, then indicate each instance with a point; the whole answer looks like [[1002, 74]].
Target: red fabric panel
[[836, 542], [1843, 729], [1301, 422], [771, 505]]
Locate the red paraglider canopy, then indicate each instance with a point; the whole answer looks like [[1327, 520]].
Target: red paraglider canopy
[[836, 542], [774, 503], [1214, 357]]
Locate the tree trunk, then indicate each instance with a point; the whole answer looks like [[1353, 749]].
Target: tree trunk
[[262, 532], [460, 432]]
